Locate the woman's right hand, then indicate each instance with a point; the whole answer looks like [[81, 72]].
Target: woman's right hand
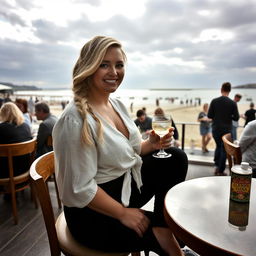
[[135, 219]]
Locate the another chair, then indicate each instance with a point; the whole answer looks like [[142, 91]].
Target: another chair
[[60, 239], [233, 151], [13, 184]]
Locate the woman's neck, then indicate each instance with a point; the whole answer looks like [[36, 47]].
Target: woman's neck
[[99, 100]]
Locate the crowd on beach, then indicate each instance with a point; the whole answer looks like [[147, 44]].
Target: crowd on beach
[[104, 160]]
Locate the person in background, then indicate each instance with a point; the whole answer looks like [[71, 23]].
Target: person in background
[[175, 141], [250, 114], [235, 124], [144, 123], [222, 111], [205, 127], [31, 106], [7, 98], [1, 101], [23, 106], [42, 112], [247, 142], [13, 129], [105, 171]]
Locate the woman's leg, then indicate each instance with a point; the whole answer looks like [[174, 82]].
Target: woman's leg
[[104, 233], [158, 176], [203, 143]]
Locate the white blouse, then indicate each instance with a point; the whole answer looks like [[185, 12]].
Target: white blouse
[[79, 167]]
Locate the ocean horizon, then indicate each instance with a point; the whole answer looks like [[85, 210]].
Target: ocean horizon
[[146, 96]]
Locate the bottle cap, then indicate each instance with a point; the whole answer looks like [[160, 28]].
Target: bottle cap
[[245, 165]]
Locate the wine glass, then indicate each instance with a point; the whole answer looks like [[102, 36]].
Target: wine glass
[[161, 124]]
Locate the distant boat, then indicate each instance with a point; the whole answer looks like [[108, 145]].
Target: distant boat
[[145, 98], [248, 99]]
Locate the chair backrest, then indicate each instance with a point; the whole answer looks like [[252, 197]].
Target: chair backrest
[[41, 169], [233, 151], [18, 149], [49, 141]]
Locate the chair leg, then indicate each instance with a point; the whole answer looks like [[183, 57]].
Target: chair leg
[[57, 191], [14, 207], [33, 195]]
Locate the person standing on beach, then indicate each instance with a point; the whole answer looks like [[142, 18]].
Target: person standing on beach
[[205, 127], [31, 106], [105, 172], [222, 111], [250, 114], [235, 124], [42, 112]]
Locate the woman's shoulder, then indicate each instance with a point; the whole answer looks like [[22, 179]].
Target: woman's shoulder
[[71, 115]]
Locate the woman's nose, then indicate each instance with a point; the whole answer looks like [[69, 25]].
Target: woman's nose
[[113, 71]]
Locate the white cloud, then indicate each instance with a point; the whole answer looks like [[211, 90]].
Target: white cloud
[[214, 35], [18, 33], [158, 58]]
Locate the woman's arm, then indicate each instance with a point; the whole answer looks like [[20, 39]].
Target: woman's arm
[[130, 217]]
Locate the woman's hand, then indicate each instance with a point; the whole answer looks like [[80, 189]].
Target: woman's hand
[[164, 142], [135, 219]]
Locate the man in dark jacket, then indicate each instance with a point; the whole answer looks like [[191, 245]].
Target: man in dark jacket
[[42, 112], [222, 111]]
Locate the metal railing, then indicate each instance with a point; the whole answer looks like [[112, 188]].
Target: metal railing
[[183, 130]]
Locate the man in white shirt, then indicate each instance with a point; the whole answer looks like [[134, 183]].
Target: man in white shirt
[[247, 143]]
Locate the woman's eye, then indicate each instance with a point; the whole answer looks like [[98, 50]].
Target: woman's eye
[[120, 65], [103, 65]]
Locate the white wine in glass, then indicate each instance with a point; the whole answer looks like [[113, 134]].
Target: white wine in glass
[[161, 124]]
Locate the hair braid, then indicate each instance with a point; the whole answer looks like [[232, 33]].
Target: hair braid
[[84, 108]]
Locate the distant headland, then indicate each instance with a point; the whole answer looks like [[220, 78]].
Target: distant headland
[[246, 86], [17, 87]]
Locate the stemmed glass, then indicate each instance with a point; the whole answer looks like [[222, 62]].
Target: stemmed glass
[[161, 124]]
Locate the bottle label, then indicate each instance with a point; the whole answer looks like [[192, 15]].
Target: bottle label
[[240, 187]]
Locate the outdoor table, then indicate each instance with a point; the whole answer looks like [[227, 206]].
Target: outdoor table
[[201, 214]]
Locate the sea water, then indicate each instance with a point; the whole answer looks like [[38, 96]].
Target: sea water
[[148, 96]]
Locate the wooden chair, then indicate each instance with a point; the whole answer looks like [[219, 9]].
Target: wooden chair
[[233, 151], [60, 239], [52, 178], [13, 184]]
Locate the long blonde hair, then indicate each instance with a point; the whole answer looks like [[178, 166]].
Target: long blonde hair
[[10, 113], [91, 56]]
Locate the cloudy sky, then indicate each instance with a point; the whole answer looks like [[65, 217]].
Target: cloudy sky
[[169, 43]]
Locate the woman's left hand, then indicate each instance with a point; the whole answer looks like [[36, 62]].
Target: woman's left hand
[[164, 142]]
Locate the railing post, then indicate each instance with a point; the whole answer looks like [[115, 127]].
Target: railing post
[[183, 136]]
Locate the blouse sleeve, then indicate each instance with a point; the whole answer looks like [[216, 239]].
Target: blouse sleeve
[[75, 163]]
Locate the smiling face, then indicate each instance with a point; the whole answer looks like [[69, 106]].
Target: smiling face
[[110, 73]]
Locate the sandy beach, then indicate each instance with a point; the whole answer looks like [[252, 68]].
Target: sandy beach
[[180, 114]]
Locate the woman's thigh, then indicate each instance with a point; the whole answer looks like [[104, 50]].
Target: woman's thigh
[[159, 174]]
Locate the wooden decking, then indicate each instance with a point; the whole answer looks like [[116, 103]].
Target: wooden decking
[[29, 237]]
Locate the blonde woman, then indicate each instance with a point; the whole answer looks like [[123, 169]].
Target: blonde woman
[[105, 173], [13, 129]]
